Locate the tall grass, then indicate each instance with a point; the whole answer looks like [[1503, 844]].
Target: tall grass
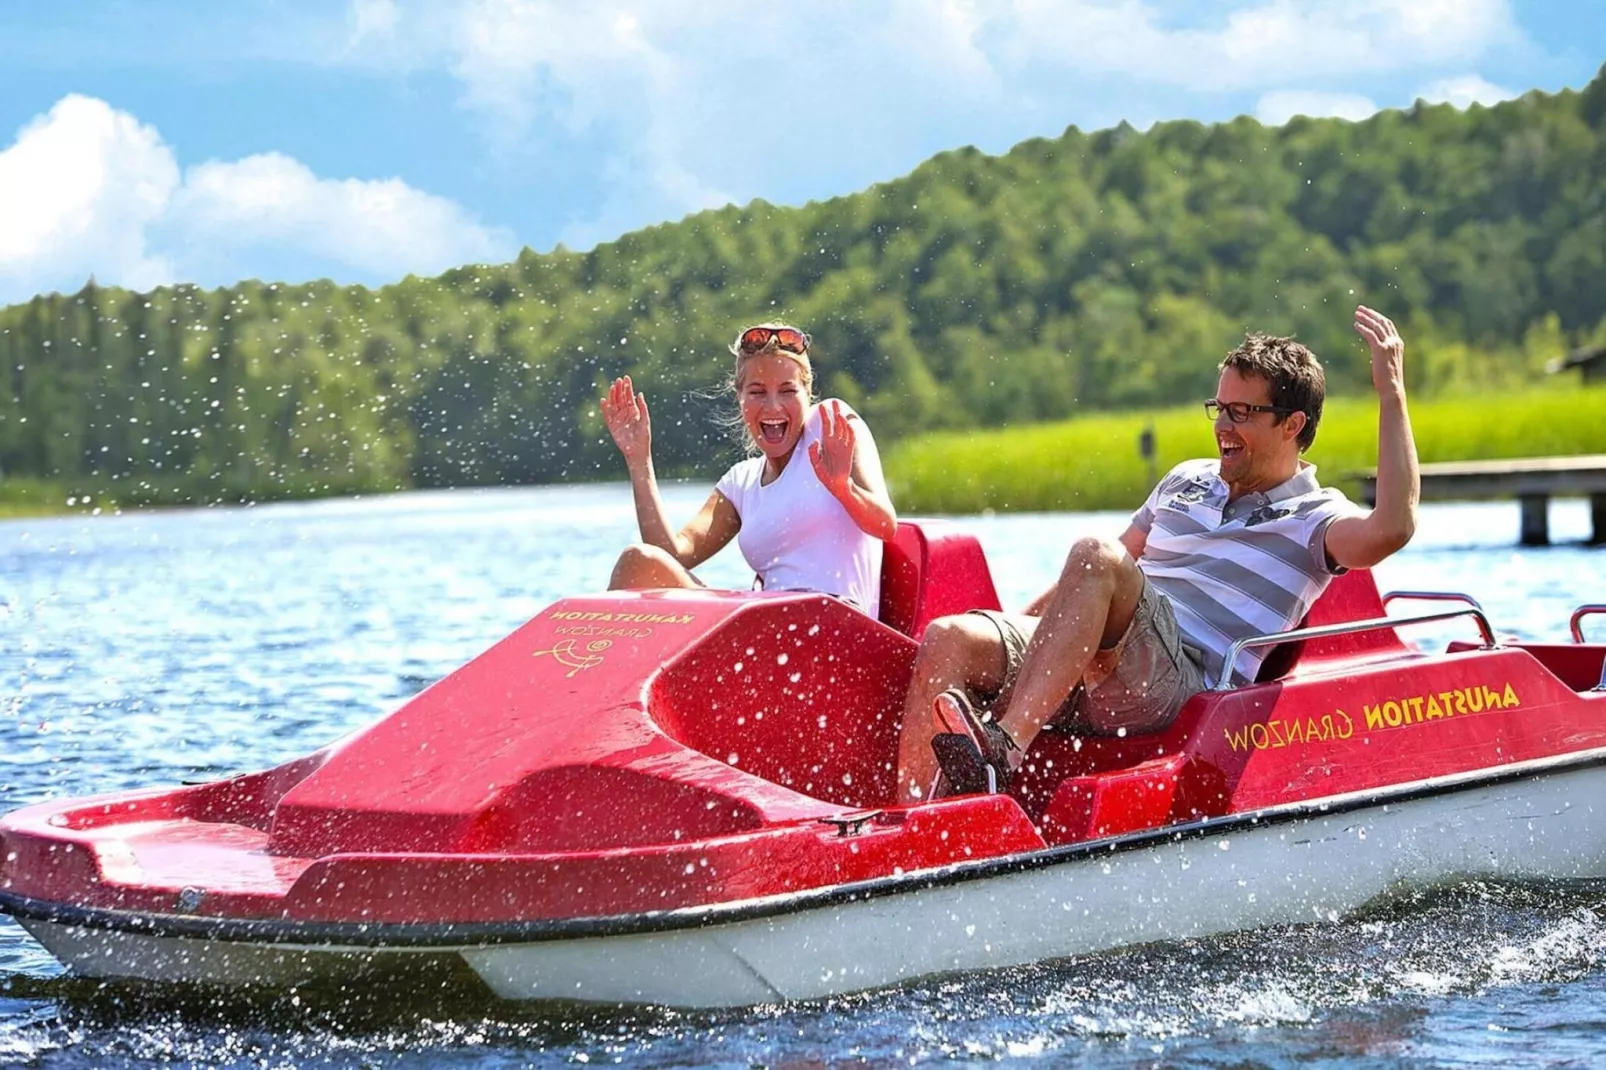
[[1092, 462], [30, 497]]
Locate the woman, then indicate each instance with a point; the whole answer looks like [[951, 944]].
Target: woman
[[813, 524]]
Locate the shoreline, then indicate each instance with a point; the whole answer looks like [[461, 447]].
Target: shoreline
[[1093, 462], [378, 497], [1084, 464]]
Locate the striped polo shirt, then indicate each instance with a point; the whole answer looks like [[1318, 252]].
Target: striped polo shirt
[[1235, 570]]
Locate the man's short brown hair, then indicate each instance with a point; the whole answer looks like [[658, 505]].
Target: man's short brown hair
[[1295, 375]]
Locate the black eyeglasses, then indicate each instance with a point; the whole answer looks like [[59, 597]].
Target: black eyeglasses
[[1239, 411]]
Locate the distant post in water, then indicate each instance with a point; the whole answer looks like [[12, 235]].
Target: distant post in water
[[1533, 481], [1146, 451]]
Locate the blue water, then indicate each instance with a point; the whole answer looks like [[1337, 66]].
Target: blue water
[[156, 647]]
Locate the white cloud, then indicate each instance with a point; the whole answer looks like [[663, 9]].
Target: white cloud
[[1464, 91], [1275, 109], [658, 70], [579, 62], [594, 66], [87, 189], [584, 63], [378, 227], [701, 101], [1258, 45], [681, 94], [372, 19], [78, 189]]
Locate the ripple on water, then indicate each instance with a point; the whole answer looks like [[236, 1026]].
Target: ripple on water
[[1394, 984], [159, 647]]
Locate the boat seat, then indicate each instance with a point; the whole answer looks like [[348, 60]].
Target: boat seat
[[929, 569], [1349, 597], [1578, 665]]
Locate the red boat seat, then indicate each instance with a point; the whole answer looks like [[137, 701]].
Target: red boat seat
[[930, 570], [1349, 597], [1578, 665]]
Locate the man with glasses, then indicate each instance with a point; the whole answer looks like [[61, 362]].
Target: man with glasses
[[1224, 547]]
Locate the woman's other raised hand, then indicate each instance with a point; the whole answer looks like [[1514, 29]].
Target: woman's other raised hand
[[628, 420], [832, 455]]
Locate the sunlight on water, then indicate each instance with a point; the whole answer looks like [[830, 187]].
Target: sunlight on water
[[157, 647]]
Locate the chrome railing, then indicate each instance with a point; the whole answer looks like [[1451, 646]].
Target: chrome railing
[[1577, 626], [1577, 623], [1347, 628], [1432, 596]]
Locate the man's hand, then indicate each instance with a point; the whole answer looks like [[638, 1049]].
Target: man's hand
[[832, 455], [628, 420], [1363, 541], [1388, 349]]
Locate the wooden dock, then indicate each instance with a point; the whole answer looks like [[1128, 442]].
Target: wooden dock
[[1533, 481]]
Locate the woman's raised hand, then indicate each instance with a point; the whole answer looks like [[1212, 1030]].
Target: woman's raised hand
[[832, 455], [628, 420]]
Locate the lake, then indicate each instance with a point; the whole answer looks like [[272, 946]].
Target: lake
[[155, 647]]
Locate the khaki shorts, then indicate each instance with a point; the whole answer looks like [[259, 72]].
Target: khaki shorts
[[1136, 686]]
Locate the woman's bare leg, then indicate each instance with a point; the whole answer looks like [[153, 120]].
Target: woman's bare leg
[[642, 566]]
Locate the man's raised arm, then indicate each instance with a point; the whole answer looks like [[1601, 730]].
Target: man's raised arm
[[1363, 541]]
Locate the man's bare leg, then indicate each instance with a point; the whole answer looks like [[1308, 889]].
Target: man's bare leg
[[959, 651], [642, 566], [1090, 608]]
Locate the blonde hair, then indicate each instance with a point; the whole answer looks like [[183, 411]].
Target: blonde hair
[[732, 421], [802, 359]]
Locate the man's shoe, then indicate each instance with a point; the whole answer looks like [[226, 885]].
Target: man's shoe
[[974, 751]]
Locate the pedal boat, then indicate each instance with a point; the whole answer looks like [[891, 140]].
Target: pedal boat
[[686, 798]]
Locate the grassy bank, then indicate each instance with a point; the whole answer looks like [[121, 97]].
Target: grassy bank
[[31, 497], [1092, 462]]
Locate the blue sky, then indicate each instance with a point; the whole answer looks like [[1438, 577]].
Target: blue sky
[[154, 141]]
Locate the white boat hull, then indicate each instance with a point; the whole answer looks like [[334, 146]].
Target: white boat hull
[[1280, 869]]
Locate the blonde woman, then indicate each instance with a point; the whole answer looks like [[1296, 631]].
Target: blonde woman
[[804, 523]]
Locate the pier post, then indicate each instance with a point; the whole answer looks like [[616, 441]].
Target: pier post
[[1533, 481], [1535, 519]]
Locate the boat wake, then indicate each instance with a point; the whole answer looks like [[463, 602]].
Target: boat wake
[[1362, 987]]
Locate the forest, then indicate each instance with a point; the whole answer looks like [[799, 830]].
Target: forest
[[1085, 273]]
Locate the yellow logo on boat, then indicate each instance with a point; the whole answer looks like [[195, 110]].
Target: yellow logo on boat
[[596, 616], [567, 652], [1459, 701], [1390, 713], [1287, 732]]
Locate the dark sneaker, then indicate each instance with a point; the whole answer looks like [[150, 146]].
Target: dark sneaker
[[972, 749]]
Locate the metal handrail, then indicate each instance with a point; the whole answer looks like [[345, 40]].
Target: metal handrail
[[1348, 627], [1577, 623], [1432, 596]]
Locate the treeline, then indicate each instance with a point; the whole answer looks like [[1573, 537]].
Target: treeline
[[1087, 272]]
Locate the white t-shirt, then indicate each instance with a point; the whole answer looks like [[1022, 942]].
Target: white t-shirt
[[796, 535]]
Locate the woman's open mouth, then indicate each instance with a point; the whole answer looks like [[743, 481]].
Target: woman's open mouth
[[773, 431]]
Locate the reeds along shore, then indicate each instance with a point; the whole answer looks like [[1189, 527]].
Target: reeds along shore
[[1093, 462]]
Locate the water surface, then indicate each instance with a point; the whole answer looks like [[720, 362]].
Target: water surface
[[156, 647]]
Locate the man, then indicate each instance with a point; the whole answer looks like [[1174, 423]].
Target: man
[[1223, 548]]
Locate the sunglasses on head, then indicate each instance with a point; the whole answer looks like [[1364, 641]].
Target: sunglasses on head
[[788, 338], [1239, 411]]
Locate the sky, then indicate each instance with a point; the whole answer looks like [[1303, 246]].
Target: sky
[[147, 142]]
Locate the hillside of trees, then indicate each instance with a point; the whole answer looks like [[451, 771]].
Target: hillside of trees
[[1084, 272]]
